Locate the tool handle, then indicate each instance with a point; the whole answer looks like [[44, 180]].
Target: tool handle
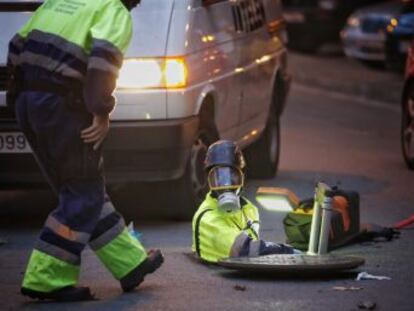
[[404, 223]]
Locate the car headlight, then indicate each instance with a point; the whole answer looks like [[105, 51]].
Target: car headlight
[[328, 4], [353, 21], [393, 23], [149, 73]]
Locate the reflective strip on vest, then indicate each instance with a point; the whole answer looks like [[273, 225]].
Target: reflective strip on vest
[[106, 50], [102, 64], [54, 54], [51, 65], [60, 43]]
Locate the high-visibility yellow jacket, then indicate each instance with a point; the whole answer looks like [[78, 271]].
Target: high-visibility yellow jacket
[[217, 234], [76, 41]]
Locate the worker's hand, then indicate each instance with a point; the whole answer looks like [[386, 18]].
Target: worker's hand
[[96, 133]]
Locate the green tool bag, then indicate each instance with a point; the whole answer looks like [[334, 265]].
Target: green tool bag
[[345, 224]]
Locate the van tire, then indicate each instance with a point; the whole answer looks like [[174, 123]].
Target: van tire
[[262, 156], [190, 189]]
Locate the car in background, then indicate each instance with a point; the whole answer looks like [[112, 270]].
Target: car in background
[[407, 111], [399, 37], [364, 35], [312, 23], [195, 71]]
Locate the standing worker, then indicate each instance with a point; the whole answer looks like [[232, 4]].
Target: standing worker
[[64, 64], [227, 224]]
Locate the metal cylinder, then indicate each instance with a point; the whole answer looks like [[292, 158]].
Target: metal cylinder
[[325, 225], [315, 226]]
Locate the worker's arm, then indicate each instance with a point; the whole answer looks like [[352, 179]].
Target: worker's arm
[[110, 35]]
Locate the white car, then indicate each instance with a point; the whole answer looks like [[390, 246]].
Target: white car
[[196, 71], [364, 35]]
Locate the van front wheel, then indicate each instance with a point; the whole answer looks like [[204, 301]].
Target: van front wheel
[[191, 188]]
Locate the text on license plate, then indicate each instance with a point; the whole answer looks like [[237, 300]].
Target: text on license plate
[[14, 142]]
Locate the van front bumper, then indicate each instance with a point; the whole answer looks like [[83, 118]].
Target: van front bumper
[[134, 151], [149, 150]]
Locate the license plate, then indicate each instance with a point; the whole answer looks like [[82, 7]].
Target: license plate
[[294, 17], [14, 142], [404, 46]]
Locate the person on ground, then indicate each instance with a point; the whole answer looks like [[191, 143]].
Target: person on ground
[[227, 224]]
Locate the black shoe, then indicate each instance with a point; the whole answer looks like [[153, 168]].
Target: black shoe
[[136, 276], [66, 294]]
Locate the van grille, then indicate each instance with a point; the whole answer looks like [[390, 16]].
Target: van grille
[[6, 114]]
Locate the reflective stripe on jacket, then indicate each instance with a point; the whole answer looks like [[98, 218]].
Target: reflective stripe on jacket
[[75, 40], [219, 235]]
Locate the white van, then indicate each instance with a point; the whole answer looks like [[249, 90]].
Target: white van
[[196, 71]]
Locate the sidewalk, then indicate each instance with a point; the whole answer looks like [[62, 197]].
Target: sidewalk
[[337, 73]]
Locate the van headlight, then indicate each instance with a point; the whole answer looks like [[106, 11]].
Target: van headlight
[[149, 73]]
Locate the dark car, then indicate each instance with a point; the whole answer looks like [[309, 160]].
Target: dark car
[[311, 23], [407, 120], [399, 37]]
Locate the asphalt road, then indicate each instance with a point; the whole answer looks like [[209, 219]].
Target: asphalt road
[[326, 137]]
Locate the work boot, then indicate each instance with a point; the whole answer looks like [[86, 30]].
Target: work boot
[[65, 294], [136, 276]]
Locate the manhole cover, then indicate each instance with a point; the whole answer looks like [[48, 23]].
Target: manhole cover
[[293, 263]]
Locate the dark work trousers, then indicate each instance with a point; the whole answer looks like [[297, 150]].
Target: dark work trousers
[[73, 169]]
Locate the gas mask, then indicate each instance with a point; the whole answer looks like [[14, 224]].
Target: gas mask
[[226, 182]]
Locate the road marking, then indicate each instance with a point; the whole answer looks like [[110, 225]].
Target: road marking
[[353, 98]]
